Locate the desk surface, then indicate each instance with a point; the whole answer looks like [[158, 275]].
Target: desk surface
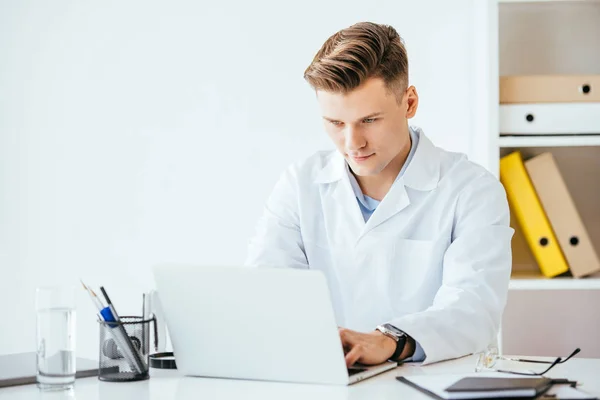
[[169, 385]]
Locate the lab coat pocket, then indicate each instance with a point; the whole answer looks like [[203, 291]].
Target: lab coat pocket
[[411, 274]]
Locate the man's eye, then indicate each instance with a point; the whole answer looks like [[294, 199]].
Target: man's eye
[[336, 123], [369, 120]]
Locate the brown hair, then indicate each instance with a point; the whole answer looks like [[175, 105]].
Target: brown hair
[[353, 55]]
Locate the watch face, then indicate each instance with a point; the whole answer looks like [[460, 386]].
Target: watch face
[[394, 330]]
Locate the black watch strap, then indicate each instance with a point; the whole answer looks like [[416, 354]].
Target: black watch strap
[[400, 344]]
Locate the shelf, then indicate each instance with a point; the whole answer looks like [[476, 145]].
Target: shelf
[[549, 141], [538, 282]]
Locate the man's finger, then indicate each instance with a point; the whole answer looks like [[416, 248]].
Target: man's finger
[[354, 355], [346, 337], [343, 334]]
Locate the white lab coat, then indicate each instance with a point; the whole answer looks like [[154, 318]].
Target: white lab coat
[[434, 259]]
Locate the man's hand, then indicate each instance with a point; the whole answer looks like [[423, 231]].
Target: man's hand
[[367, 348]]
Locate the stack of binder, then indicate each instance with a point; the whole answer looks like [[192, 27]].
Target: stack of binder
[[549, 104], [545, 211]]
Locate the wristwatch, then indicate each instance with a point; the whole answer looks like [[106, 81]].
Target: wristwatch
[[399, 336]]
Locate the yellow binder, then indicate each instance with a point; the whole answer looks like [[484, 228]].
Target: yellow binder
[[527, 208]]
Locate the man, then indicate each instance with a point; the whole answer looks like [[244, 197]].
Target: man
[[414, 240]]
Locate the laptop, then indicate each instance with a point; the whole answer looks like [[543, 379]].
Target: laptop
[[271, 324]]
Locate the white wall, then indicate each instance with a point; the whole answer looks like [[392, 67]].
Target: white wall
[[139, 132]]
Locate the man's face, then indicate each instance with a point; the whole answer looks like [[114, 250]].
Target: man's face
[[368, 125]]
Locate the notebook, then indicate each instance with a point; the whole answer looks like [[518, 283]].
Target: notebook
[[19, 369], [484, 387], [473, 387]]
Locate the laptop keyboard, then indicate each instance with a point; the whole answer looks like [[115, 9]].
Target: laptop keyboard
[[355, 370]]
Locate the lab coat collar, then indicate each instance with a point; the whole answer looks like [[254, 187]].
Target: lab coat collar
[[423, 172], [334, 169]]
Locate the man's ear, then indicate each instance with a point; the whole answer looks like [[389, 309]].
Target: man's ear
[[412, 100]]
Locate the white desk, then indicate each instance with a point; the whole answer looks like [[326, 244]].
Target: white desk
[[168, 385]]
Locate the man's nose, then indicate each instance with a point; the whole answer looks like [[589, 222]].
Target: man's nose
[[354, 139]]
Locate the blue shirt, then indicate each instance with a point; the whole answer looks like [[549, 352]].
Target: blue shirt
[[368, 205]]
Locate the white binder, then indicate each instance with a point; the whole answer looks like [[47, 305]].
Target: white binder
[[550, 119]]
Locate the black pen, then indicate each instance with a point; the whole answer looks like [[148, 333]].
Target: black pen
[[110, 304]]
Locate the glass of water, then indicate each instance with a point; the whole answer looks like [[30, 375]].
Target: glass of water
[[55, 308]]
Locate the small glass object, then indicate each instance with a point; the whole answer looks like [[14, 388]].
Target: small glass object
[[55, 311]]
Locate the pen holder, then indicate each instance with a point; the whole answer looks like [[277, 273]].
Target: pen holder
[[124, 349]]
